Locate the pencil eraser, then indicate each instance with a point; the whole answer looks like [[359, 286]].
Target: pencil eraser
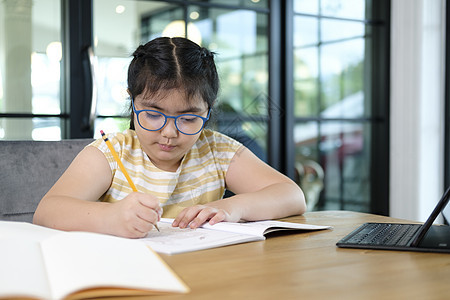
[[101, 132]]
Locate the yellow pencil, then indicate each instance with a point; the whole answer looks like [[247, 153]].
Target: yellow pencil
[[121, 166]]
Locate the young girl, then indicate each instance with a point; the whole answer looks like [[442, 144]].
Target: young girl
[[180, 169]]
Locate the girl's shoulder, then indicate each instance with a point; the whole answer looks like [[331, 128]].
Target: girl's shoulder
[[215, 139]]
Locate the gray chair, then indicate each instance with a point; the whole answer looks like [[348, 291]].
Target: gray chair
[[28, 169]]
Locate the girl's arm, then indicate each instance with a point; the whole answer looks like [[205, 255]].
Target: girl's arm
[[72, 203], [261, 193]]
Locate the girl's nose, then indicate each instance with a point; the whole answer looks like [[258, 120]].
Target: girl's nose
[[169, 130]]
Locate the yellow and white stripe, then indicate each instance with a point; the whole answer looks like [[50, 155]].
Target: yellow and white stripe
[[199, 179]]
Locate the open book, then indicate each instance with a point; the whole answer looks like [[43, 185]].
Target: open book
[[171, 240], [42, 263]]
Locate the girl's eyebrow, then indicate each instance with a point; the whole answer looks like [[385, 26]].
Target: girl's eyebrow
[[191, 109]]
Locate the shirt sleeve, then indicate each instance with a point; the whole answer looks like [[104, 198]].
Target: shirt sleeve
[[101, 145]]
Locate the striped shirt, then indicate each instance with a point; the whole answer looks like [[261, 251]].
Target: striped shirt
[[199, 179]]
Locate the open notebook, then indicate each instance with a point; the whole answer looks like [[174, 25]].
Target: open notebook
[[392, 236], [43, 263], [171, 240]]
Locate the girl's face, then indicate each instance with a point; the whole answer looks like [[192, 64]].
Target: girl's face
[[167, 146]]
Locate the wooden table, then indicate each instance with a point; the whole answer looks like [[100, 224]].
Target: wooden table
[[310, 266]]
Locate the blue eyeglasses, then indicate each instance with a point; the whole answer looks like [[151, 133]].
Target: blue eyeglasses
[[153, 120]]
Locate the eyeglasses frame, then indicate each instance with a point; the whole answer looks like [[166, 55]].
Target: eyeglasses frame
[[137, 112]]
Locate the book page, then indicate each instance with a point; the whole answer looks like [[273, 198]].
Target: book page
[[261, 228], [22, 272], [173, 240], [256, 228], [81, 260]]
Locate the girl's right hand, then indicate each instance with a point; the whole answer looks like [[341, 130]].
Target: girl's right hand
[[134, 216]]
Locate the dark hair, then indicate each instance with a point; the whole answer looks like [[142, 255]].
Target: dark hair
[[166, 63]]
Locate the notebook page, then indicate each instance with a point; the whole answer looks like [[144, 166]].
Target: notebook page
[[22, 270], [81, 260], [173, 240]]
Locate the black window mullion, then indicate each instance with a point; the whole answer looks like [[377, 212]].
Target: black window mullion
[[447, 101], [281, 154], [380, 129], [288, 87], [276, 72], [77, 84]]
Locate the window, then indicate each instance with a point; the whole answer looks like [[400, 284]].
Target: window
[[31, 52], [304, 83], [334, 76]]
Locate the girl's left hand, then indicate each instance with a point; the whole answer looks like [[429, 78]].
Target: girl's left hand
[[197, 215]]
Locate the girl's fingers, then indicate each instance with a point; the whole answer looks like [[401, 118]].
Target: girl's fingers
[[186, 216], [197, 215], [214, 215]]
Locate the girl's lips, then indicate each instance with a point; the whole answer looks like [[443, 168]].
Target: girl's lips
[[165, 147]]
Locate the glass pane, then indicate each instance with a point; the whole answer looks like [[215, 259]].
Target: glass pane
[[233, 33], [112, 98], [239, 38], [30, 51], [330, 144], [351, 9], [309, 173], [201, 27], [242, 59], [333, 30], [345, 157], [164, 21], [356, 166], [342, 79], [306, 141], [246, 3], [41, 129], [255, 76], [306, 6], [332, 164], [306, 87], [306, 31]]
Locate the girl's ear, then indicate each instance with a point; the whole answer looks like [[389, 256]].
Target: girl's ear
[[129, 93]]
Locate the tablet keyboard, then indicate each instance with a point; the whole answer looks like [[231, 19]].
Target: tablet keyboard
[[384, 234]]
